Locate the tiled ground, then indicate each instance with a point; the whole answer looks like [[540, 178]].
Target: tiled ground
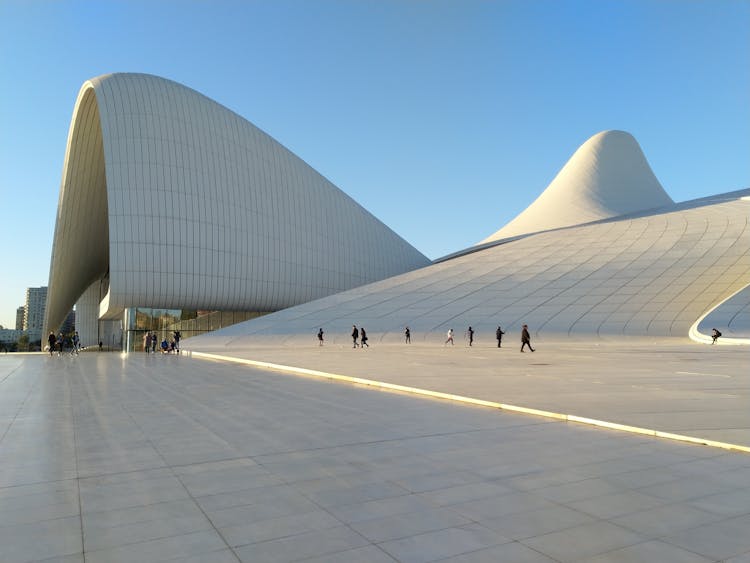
[[157, 458]]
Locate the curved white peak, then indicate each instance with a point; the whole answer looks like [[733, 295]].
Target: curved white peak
[[607, 176]]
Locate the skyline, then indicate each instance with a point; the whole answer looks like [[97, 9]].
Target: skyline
[[445, 119]]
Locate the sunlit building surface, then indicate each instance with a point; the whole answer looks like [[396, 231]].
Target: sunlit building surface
[[169, 200]]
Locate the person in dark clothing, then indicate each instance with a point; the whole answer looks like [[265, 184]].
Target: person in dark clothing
[[363, 339], [320, 337], [715, 334], [470, 334], [499, 335], [407, 334], [355, 335], [177, 337], [525, 338], [52, 340]]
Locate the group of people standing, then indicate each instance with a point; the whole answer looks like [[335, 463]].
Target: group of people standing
[[151, 340], [60, 342]]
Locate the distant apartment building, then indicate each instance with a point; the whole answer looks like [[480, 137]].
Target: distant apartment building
[[33, 322], [9, 336], [20, 314]]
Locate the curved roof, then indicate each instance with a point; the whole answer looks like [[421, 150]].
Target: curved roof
[[607, 176], [646, 274], [169, 199]]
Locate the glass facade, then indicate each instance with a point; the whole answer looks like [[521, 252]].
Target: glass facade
[[165, 322]]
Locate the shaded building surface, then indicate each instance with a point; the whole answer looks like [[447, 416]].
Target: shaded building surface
[[182, 204]]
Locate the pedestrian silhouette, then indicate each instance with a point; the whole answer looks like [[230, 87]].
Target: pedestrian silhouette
[[525, 338], [499, 335]]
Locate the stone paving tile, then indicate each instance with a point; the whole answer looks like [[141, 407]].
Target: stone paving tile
[[465, 493], [441, 544], [512, 552], [346, 474], [359, 512], [368, 554], [261, 511], [606, 507], [521, 525], [96, 538], [301, 546], [93, 522], [648, 551], [666, 520], [41, 540], [399, 526], [502, 505], [194, 545], [587, 540], [733, 503], [744, 558], [720, 540], [274, 528]]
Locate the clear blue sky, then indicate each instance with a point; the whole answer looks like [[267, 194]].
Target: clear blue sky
[[445, 119]]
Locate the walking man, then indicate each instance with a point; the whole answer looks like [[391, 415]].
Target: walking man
[[355, 335], [525, 338], [470, 333], [320, 337], [450, 337], [407, 334], [363, 340], [499, 335], [52, 341]]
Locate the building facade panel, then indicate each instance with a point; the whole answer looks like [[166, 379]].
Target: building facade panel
[[194, 207]]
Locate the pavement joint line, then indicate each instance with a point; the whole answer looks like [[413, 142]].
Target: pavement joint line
[[470, 400]]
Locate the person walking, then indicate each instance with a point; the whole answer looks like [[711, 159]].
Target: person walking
[[715, 334], [525, 338], [407, 334], [320, 337], [363, 337], [147, 342], [52, 341], [355, 335], [449, 334], [154, 342], [177, 337], [470, 334], [499, 335]]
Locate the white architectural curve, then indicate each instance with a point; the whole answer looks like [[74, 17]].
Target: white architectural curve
[[606, 177], [650, 274], [171, 200]]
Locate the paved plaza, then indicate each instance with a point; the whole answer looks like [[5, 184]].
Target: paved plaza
[[108, 458]]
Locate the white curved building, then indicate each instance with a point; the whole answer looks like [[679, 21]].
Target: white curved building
[[170, 200], [607, 176], [629, 265]]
